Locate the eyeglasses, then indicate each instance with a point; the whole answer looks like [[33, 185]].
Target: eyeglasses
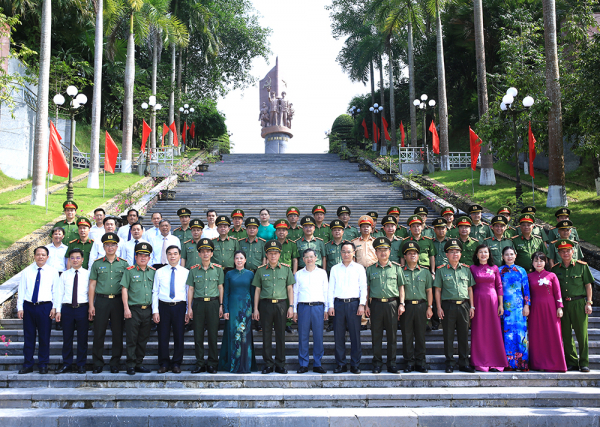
[[347, 252]]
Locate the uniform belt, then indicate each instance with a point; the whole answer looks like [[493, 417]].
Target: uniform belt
[[206, 299], [143, 307], [385, 299], [39, 302], [414, 301], [171, 304], [273, 301], [76, 305], [348, 299], [459, 302], [311, 303], [575, 298], [110, 296]]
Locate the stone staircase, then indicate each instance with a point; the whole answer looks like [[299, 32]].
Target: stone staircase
[[251, 182]]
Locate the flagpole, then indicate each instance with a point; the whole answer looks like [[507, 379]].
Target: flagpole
[[47, 192], [532, 192], [104, 186], [472, 182]]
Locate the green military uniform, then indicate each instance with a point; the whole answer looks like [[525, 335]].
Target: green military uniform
[[316, 244], [350, 233], [139, 284], [323, 232], [384, 289], [497, 246], [295, 233], [189, 252], [395, 248], [71, 230], [401, 232], [555, 256], [428, 232], [427, 249], [526, 248], [182, 235], [536, 231], [440, 255], [510, 232], [573, 279], [109, 306], [289, 252], [452, 232], [480, 231], [553, 235], [86, 247], [205, 308], [468, 250], [273, 284], [333, 253], [224, 250], [254, 251], [238, 235]]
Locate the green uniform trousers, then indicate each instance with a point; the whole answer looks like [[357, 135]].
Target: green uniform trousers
[[138, 333], [206, 318], [108, 309], [456, 317], [384, 315], [273, 316], [575, 319], [413, 324]]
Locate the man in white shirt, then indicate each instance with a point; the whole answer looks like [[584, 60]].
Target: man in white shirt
[[127, 249], [347, 295], [210, 231], [124, 234], [161, 244], [97, 230], [72, 311], [169, 310], [110, 225], [154, 232], [36, 305], [310, 310], [57, 250]]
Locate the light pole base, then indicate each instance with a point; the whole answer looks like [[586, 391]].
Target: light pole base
[[70, 190], [125, 166], [557, 197], [487, 176]]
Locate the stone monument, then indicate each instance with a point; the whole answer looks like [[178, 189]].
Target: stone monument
[[276, 112]]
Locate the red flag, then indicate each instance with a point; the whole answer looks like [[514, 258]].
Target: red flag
[[174, 130], [385, 129], [193, 130], [57, 164], [402, 133], [145, 134], [184, 131], [364, 125], [436, 138], [376, 133], [475, 143], [532, 142], [111, 152], [165, 132]]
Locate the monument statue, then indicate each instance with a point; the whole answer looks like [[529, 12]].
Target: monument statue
[[282, 120], [263, 117], [290, 115], [273, 109]]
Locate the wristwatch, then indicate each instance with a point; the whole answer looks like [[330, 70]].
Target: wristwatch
[[291, 306], [431, 307], [402, 304], [473, 307], [589, 302]]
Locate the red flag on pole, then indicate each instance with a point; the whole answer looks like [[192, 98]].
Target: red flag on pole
[[146, 130], [364, 125], [532, 142], [193, 130], [111, 152], [385, 129], [401, 133], [475, 143], [376, 133], [165, 132], [436, 138], [174, 130], [57, 164], [184, 131]]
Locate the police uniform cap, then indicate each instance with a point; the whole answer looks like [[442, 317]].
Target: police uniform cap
[[529, 210], [83, 221], [564, 224], [365, 219], [414, 219], [205, 244], [184, 212], [475, 209], [273, 245], [282, 223], [373, 215], [394, 210], [564, 244], [499, 219], [70, 204], [527, 218], [453, 244], [464, 220], [421, 210], [292, 210], [410, 246], [143, 248], [223, 219], [389, 219], [307, 220], [440, 222], [381, 243], [318, 208], [504, 210], [447, 211], [563, 211], [343, 209], [336, 223], [196, 223], [110, 238], [251, 220], [237, 213]]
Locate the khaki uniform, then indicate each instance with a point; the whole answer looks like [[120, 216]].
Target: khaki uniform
[[365, 253]]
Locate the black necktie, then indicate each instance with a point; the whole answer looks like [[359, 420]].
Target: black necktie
[[36, 288], [75, 283]]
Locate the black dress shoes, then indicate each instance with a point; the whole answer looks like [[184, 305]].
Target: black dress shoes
[[258, 327], [211, 369], [392, 369], [329, 328], [584, 369], [97, 370], [355, 369], [302, 370], [267, 370], [572, 368], [288, 329], [421, 369], [114, 369], [319, 370], [142, 370], [377, 370], [43, 370], [408, 369], [494, 370], [340, 368], [130, 371], [176, 369], [449, 369], [281, 370], [468, 369], [363, 327], [26, 371], [81, 369], [64, 369], [162, 370], [198, 369]]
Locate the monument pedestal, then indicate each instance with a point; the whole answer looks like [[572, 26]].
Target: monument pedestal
[[276, 139]]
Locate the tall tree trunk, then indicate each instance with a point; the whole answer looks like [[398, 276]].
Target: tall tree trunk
[[93, 177], [557, 193], [127, 145], [154, 71], [487, 176], [179, 73], [442, 102], [373, 103], [172, 97], [382, 142], [40, 149], [394, 144], [411, 86]]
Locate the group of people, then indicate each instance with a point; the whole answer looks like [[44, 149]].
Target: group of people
[[531, 290]]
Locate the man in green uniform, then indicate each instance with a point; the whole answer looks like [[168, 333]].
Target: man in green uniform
[[427, 253], [289, 250], [401, 231], [452, 231], [274, 291], [565, 229], [253, 246], [480, 230], [205, 297], [526, 243], [136, 292], [576, 281], [418, 297], [83, 242], [454, 298], [309, 241], [389, 225], [468, 243], [105, 301], [385, 285], [498, 241], [423, 212], [440, 228], [375, 232], [224, 245], [536, 230], [343, 214], [189, 249], [562, 215], [293, 216], [184, 233], [510, 231], [333, 251], [69, 224], [237, 231], [322, 230]]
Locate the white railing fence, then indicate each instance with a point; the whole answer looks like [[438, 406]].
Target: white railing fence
[[81, 160], [458, 159]]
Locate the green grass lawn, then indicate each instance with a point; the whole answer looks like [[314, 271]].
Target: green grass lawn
[[9, 196], [584, 212], [6, 181], [16, 221]]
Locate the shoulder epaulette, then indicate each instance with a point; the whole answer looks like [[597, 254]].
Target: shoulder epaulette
[[130, 267], [74, 240], [294, 240], [488, 238], [514, 237], [217, 265], [260, 266], [554, 241], [214, 238], [581, 262], [287, 265], [178, 228], [151, 268], [356, 238], [326, 225], [474, 239], [318, 238], [535, 235], [464, 265], [188, 241], [440, 266], [98, 258], [396, 263], [556, 265], [194, 266], [427, 237], [260, 238]]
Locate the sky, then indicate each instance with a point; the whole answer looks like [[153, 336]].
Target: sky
[[316, 85]]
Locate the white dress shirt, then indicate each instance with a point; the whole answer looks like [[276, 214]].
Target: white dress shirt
[[160, 245], [209, 233], [65, 288], [98, 251], [127, 250], [311, 286], [124, 232], [49, 284], [57, 258], [162, 285], [151, 234], [347, 282], [96, 232]]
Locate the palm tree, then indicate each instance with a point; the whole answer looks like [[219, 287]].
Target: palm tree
[[93, 177]]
